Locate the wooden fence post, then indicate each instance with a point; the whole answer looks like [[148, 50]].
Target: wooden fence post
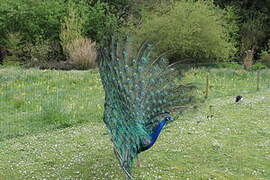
[[258, 80], [207, 87]]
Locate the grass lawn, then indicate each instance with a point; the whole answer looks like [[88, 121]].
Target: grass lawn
[[51, 128], [35, 101]]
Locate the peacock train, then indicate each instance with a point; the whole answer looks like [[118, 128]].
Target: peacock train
[[142, 94]]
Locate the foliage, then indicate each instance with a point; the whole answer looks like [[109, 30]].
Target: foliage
[[11, 61], [29, 28], [37, 20], [42, 19], [79, 49], [94, 19], [253, 22], [39, 53], [14, 44], [258, 66], [265, 55], [229, 65], [31, 54], [99, 22], [265, 59], [82, 53], [72, 26], [193, 30], [253, 32], [31, 18]]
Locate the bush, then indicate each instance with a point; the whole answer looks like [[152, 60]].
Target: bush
[[230, 65], [11, 61], [38, 53], [72, 27], [17, 51], [265, 56], [253, 32], [194, 30], [42, 20], [80, 50], [14, 45], [82, 53], [33, 19], [99, 22], [28, 27], [93, 20], [35, 54], [258, 66]]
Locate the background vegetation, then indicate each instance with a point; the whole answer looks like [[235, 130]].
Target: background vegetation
[[28, 25], [190, 31], [51, 121], [35, 33]]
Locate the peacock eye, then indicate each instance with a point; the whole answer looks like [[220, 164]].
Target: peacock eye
[[167, 118]]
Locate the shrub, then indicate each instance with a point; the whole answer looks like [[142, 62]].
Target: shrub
[[72, 27], [13, 42], [38, 53], [194, 30], [253, 32], [258, 66], [32, 18], [230, 65], [80, 50], [16, 50], [265, 56], [248, 59], [99, 22], [27, 27], [82, 53], [35, 54], [11, 61], [42, 20], [93, 19], [14, 45]]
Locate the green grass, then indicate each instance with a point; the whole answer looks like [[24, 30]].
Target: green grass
[[35, 101], [228, 82], [36, 107]]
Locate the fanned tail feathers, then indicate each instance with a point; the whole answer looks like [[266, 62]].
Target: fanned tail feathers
[[139, 92]]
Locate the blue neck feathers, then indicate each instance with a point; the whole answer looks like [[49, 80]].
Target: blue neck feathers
[[155, 134]]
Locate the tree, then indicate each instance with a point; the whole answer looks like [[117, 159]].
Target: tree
[[254, 23], [196, 31]]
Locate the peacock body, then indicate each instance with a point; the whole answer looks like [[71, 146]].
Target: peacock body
[[141, 93]]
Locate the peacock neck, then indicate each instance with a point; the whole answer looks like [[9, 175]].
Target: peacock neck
[[157, 131], [155, 134]]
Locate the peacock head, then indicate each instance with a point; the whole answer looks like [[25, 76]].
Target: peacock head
[[167, 118]]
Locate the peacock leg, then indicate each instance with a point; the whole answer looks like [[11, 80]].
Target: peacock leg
[[139, 165]]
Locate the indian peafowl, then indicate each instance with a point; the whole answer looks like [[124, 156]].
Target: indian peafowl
[[141, 93]]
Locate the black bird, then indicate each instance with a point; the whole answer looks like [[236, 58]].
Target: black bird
[[238, 98]]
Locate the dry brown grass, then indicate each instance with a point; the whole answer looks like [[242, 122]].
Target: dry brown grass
[[248, 60], [82, 53]]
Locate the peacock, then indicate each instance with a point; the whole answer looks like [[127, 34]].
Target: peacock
[[142, 94]]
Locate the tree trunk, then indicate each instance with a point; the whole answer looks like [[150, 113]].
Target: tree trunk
[[248, 59]]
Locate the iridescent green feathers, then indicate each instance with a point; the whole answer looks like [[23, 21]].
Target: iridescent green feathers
[[139, 91]]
